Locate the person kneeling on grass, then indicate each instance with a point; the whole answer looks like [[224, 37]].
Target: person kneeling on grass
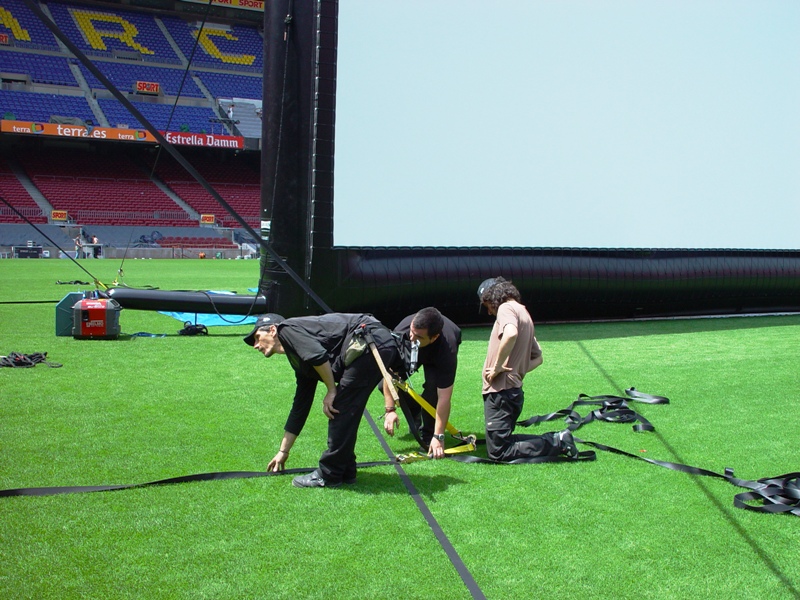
[[513, 352], [325, 348]]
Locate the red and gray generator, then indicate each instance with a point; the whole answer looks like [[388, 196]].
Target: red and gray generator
[[96, 319]]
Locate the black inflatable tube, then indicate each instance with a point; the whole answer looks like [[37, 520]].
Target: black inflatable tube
[[187, 301], [563, 284]]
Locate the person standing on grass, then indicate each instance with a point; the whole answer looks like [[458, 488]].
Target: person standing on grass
[[437, 339], [324, 348], [78, 246], [513, 353]]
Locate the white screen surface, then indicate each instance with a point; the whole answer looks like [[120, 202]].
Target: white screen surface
[[568, 123]]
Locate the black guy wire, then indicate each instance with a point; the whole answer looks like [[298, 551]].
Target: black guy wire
[[28, 221], [183, 80], [79, 54]]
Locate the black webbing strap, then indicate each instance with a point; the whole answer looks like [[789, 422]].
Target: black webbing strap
[[612, 409], [16, 359], [50, 491], [583, 455], [452, 554], [779, 494]]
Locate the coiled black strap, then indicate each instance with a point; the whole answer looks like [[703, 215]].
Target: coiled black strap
[[191, 329], [16, 359]]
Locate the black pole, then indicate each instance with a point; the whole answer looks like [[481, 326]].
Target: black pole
[[289, 34]]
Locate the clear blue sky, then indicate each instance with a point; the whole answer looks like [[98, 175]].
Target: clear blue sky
[[568, 123]]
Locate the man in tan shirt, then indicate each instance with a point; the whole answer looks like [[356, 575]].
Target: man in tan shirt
[[513, 353]]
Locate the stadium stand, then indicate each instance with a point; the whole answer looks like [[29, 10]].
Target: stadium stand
[[173, 82], [42, 68], [29, 106], [227, 47], [24, 28], [164, 237], [12, 190], [21, 234], [227, 85], [105, 184], [106, 32], [101, 188], [235, 181], [164, 117]]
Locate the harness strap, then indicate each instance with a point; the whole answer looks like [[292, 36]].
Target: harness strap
[[377, 356]]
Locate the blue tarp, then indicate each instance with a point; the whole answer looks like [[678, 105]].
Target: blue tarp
[[210, 320]]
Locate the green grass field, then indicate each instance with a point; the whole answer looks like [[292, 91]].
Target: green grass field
[[141, 409]]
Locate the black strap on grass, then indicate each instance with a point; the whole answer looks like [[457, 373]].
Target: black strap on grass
[[16, 359], [612, 409], [190, 328], [779, 494], [584, 455], [75, 489]]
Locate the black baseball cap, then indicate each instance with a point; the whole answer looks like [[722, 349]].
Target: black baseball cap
[[485, 285], [263, 321]]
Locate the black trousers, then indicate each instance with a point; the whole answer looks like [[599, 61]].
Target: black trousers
[[501, 411], [338, 462], [420, 423]]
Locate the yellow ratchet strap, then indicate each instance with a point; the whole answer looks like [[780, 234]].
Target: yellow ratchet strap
[[416, 456], [404, 387]]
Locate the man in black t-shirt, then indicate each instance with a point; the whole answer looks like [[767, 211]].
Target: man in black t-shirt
[[319, 348], [438, 339]]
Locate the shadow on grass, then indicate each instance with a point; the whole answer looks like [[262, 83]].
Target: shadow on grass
[[372, 482], [699, 481]]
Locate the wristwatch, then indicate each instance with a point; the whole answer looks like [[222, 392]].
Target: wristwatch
[[439, 437]]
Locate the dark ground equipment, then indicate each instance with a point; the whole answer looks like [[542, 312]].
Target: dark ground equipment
[[95, 318]]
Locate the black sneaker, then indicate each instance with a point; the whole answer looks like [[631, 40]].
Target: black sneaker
[[313, 479], [566, 443]]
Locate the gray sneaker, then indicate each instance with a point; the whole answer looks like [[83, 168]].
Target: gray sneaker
[[313, 479]]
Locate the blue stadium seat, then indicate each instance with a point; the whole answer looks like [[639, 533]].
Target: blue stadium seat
[[227, 85], [125, 76], [29, 106], [159, 115], [101, 31], [240, 48], [31, 33], [43, 68]]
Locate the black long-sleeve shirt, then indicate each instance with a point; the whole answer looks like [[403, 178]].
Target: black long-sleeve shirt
[[309, 342]]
